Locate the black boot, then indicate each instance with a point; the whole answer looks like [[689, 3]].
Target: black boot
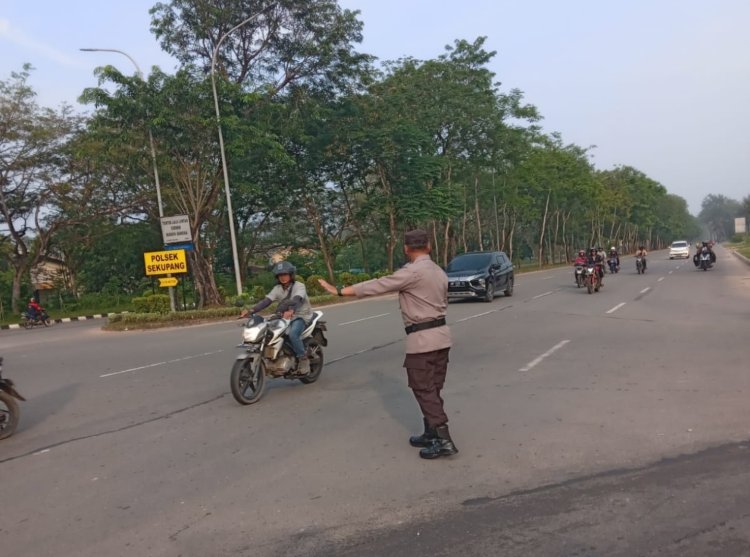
[[442, 445], [424, 440]]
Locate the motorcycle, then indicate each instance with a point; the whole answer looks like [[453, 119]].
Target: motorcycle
[[640, 264], [591, 279], [613, 266], [267, 352], [705, 261], [579, 275], [41, 318], [9, 411]]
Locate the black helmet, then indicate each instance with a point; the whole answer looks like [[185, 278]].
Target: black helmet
[[284, 268]]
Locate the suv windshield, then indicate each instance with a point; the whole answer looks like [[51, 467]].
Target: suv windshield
[[469, 262], [679, 244]]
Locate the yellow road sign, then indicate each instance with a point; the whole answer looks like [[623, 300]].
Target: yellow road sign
[[168, 281], [165, 262]]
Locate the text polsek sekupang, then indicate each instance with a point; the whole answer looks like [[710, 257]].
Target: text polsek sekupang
[[168, 262]]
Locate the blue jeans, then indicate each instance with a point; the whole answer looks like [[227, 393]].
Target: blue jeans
[[295, 336]]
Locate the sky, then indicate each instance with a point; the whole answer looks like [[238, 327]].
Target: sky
[[660, 85]]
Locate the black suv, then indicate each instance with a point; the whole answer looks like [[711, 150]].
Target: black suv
[[479, 274]]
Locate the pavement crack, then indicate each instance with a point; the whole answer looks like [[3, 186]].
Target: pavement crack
[[112, 431]]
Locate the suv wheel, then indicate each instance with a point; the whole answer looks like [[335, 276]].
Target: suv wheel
[[489, 294], [509, 289]]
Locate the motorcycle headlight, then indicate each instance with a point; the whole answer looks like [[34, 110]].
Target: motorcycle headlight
[[254, 332]]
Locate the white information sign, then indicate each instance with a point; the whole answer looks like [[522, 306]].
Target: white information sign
[[176, 230], [740, 226]]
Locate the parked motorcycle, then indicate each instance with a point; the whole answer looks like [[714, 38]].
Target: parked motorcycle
[[613, 266], [267, 352], [41, 318], [9, 411], [640, 264], [591, 279], [579, 275]]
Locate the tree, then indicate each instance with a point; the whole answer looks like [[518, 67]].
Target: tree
[[717, 215], [35, 173]]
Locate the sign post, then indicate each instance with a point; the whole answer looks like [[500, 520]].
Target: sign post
[[175, 230]]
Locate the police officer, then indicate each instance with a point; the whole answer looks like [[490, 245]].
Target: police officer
[[422, 289]]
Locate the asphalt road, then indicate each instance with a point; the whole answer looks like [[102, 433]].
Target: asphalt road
[[606, 424]]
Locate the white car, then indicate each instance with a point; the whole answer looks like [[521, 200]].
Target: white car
[[679, 249]]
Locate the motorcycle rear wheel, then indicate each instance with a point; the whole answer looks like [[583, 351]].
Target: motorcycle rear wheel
[[247, 387], [316, 364], [8, 415], [589, 286]]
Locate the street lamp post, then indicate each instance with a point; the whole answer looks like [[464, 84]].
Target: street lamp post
[[139, 73], [237, 277]]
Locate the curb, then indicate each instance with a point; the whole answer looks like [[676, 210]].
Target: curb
[[67, 319], [741, 257]]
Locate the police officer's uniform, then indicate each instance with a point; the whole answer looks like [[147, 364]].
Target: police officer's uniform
[[422, 288]]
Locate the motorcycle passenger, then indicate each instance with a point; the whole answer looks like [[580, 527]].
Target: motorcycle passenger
[[293, 304], [641, 252], [580, 260], [598, 262], [34, 310]]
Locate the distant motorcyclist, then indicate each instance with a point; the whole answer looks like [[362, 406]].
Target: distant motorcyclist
[[704, 247], [614, 255], [642, 253], [597, 261], [294, 305], [581, 260], [34, 310]]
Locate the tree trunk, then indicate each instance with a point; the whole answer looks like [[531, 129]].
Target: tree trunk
[[544, 226], [476, 209], [312, 213]]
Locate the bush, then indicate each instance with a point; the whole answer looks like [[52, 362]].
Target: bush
[[258, 292], [177, 316], [153, 303], [313, 287], [347, 279]]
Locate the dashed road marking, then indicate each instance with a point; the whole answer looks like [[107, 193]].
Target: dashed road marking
[[475, 316], [363, 319], [660, 279], [541, 295], [645, 290], [618, 306], [536, 361], [140, 368]]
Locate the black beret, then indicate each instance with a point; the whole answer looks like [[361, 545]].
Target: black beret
[[416, 239]]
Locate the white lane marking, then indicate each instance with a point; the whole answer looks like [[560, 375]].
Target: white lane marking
[[42, 451], [645, 290], [541, 295], [363, 319], [477, 315], [160, 364], [670, 272], [660, 279], [348, 356], [547, 278], [547, 354], [618, 306]]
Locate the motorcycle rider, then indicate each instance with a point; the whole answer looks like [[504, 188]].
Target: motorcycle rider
[[641, 252], [597, 261], [580, 260], [614, 255], [34, 310], [293, 304], [700, 248]]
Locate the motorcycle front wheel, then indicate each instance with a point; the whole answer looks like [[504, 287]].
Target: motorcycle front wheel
[[589, 285], [316, 364], [8, 415], [247, 385]]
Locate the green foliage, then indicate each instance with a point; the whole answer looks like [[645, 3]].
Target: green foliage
[[258, 292], [177, 316], [313, 286], [154, 303]]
